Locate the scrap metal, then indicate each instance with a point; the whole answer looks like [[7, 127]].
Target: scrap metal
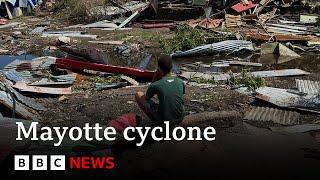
[[288, 99], [271, 114], [30, 102], [19, 108], [275, 37], [226, 76], [42, 90], [308, 87], [228, 46]]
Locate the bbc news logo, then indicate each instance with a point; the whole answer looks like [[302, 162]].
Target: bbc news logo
[[58, 162]]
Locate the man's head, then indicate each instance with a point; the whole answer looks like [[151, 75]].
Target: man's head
[[165, 64]]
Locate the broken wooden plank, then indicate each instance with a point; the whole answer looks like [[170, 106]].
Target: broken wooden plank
[[42, 90]]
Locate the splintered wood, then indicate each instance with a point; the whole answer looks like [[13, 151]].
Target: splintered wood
[[233, 21]]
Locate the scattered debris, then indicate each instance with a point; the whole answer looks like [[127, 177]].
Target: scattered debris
[[282, 53], [263, 74], [233, 21]]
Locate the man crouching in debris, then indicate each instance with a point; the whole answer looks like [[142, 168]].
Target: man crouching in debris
[[169, 90]]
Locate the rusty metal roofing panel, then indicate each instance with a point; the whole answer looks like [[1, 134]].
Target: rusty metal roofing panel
[[308, 87], [42, 90], [270, 114]]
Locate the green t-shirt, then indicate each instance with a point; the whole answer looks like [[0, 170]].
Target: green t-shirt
[[170, 90]]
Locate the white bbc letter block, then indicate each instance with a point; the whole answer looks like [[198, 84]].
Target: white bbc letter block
[[39, 162], [57, 162], [21, 162]]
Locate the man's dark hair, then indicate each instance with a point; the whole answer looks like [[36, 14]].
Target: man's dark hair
[[165, 63]]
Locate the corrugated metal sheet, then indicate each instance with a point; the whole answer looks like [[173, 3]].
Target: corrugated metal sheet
[[68, 79], [35, 64], [13, 75], [279, 97], [283, 98], [226, 76], [274, 115], [101, 24], [220, 47], [38, 30], [6, 100], [24, 99], [308, 87]]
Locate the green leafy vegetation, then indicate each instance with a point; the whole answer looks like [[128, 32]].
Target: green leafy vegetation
[[201, 80], [78, 10], [184, 38], [246, 79], [106, 80]]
